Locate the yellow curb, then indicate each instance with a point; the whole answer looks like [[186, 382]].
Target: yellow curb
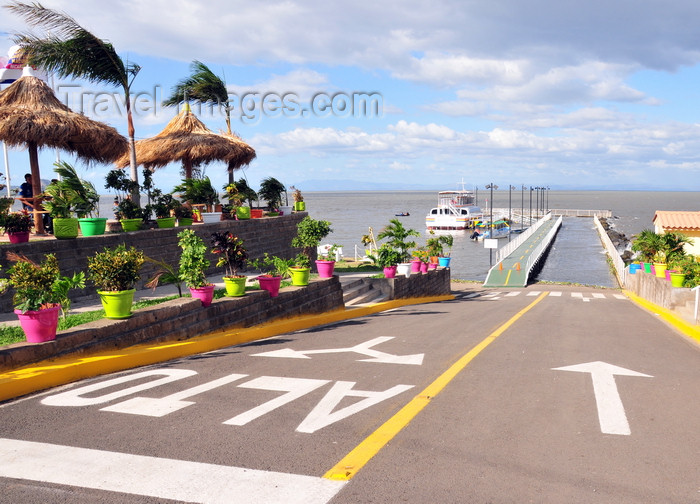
[[685, 328], [51, 373]]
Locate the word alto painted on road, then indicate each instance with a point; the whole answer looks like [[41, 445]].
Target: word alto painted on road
[[322, 415]]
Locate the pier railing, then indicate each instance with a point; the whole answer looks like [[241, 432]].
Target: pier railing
[[539, 250], [506, 250], [618, 263], [581, 213]]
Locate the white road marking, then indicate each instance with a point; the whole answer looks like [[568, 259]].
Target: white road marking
[[295, 388], [74, 397], [159, 477], [512, 294], [534, 293], [619, 296], [611, 412], [323, 415], [361, 348], [598, 295], [149, 406], [555, 293]]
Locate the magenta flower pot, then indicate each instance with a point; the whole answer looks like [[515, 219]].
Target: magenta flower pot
[[40, 325], [415, 266], [19, 237], [204, 294], [325, 268], [423, 267], [390, 272], [270, 284], [432, 266]]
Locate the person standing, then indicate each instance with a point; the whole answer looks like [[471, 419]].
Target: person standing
[[25, 191]]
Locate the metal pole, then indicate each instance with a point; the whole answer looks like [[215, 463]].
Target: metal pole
[[531, 206], [7, 169], [547, 199], [510, 218], [537, 202], [522, 206]]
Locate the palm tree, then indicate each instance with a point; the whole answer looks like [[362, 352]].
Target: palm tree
[[398, 236], [271, 191], [203, 86], [72, 51]]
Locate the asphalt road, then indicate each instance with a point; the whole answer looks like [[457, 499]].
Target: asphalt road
[[452, 402]]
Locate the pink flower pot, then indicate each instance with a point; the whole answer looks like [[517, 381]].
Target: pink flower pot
[[19, 237], [204, 294], [270, 284], [390, 272], [415, 266], [423, 267], [432, 266], [40, 325], [325, 268]]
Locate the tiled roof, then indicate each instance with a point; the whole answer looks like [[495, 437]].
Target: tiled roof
[[689, 221]]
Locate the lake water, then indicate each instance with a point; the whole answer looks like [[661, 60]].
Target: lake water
[[352, 213]]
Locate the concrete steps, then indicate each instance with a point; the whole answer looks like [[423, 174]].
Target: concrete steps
[[360, 292]]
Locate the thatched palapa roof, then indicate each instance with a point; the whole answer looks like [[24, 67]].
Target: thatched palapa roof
[[185, 138], [31, 113]]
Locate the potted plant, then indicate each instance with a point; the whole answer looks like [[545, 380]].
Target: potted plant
[[235, 201], [40, 293], [271, 191], [193, 266], [310, 232], [130, 215], [387, 258], [232, 256], [163, 207], [273, 269], [114, 272], [200, 192], [127, 212], [647, 243], [419, 264], [299, 204], [398, 238], [659, 261], [81, 196], [17, 225], [326, 261], [435, 245], [183, 214]]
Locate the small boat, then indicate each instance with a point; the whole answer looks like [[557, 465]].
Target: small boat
[[402, 214], [499, 229], [455, 210]]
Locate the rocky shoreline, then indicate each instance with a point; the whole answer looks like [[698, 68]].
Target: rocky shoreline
[[618, 239]]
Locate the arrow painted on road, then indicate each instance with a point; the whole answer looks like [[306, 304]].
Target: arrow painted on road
[[611, 412], [363, 349]]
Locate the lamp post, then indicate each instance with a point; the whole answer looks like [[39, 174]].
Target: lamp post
[[522, 205], [531, 189], [537, 202], [492, 187], [510, 192], [548, 199]]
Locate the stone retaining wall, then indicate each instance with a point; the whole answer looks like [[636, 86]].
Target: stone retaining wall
[[659, 291], [433, 283], [179, 319], [273, 235]]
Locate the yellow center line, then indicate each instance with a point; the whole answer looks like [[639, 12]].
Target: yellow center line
[[508, 276], [372, 444]]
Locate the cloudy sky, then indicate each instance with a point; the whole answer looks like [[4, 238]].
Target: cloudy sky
[[569, 94]]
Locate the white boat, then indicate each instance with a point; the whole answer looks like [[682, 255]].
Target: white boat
[[455, 210]]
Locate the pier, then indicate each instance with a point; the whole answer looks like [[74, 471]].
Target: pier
[[516, 260]]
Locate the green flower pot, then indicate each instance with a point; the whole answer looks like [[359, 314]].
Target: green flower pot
[[117, 304], [92, 226], [235, 286], [300, 206], [131, 224], [166, 222], [243, 212], [184, 221], [677, 279], [65, 228], [300, 276]]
